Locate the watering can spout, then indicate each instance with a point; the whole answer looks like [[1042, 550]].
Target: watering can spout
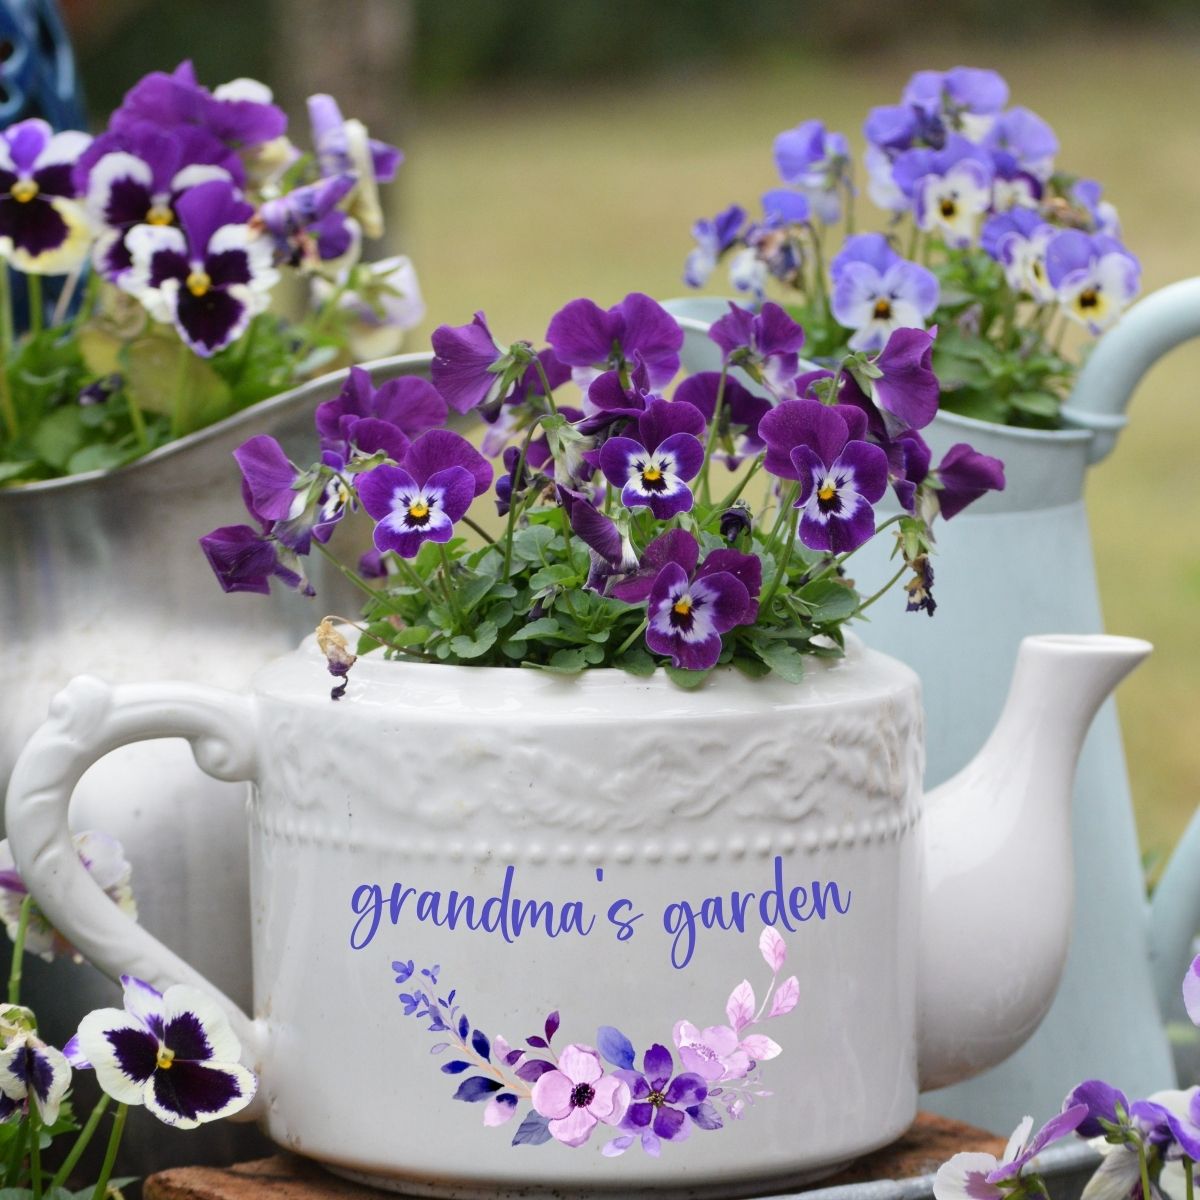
[[998, 894], [1124, 354]]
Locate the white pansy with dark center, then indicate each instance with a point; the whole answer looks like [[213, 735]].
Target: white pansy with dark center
[[686, 612], [34, 1073], [953, 203]]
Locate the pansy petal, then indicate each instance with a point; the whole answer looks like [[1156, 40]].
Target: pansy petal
[[119, 190], [441, 448], [122, 1051], [188, 1094], [143, 1001], [456, 488]]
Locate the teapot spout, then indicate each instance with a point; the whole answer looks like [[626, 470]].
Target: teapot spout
[[998, 888]]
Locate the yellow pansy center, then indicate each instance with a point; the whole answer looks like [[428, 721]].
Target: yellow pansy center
[[160, 214], [651, 475], [1089, 298], [826, 492], [683, 606], [883, 308], [948, 207], [418, 511], [23, 190], [198, 283], [165, 1058]]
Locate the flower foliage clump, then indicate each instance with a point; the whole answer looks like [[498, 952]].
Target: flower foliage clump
[[173, 230], [984, 237], [639, 525]]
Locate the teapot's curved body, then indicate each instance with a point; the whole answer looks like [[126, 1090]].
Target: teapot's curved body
[[494, 846]]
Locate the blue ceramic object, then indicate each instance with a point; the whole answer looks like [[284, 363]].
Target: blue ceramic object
[[37, 68]]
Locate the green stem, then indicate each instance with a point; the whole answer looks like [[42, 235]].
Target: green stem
[[7, 410], [512, 504], [1144, 1168], [81, 1143], [1187, 1179], [741, 487], [785, 507], [18, 951], [181, 375], [67, 295], [849, 183], [537, 362], [12, 1168], [911, 252], [247, 344], [35, 1150], [137, 420], [110, 1155], [633, 637], [456, 611], [91, 290], [712, 432], [410, 573], [479, 529], [886, 587], [781, 570], [356, 579], [37, 311], [819, 271]]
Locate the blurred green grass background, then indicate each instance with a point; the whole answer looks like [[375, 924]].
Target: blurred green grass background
[[518, 201]]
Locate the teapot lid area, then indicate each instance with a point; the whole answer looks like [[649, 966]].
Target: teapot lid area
[[860, 676]]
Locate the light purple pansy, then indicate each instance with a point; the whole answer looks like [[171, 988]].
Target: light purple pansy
[[577, 1095], [965, 96], [463, 360], [814, 160], [1012, 239], [981, 1176], [239, 113], [713, 237], [32, 1074], [1087, 193], [591, 339], [841, 477], [38, 211], [965, 475], [1093, 276], [1191, 991], [419, 500], [687, 610], [951, 188], [134, 177], [1021, 142], [210, 275], [876, 292], [172, 1051], [766, 343], [653, 472]]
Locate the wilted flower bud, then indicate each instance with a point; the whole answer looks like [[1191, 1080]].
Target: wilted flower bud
[[920, 587], [736, 521], [338, 657]]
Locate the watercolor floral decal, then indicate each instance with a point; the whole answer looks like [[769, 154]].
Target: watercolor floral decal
[[706, 1077]]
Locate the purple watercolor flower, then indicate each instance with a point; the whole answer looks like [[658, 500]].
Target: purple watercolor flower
[[420, 500], [577, 1095], [210, 276], [465, 364], [172, 1051], [653, 472], [765, 344], [979, 1176], [965, 475], [816, 161], [39, 215], [238, 113], [1094, 277], [876, 292], [659, 1099], [32, 1073], [715, 1053], [591, 339], [713, 237]]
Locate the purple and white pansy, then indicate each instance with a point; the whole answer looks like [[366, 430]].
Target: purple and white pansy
[[32, 1075], [1094, 277], [765, 344], [41, 220], [653, 470], [817, 162], [209, 275], [172, 1051], [876, 292]]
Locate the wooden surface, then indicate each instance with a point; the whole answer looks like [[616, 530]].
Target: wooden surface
[[921, 1151]]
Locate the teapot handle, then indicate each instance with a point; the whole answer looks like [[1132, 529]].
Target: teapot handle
[[88, 718], [1124, 354]]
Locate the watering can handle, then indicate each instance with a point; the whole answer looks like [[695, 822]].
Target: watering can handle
[[88, 718], [1122, 356]]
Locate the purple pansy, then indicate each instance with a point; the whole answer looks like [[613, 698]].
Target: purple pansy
[[659, 1099], [841, 477], [654, 471], [38, 211], [951, 188], [173, 1051], [238, 113], [410, 405], [875, 291], [966, 97], [1017, 240], [765, 344], [1094, 277], [32, 1074], [906, 392], [384, 304], [246, 560], [816, 161], [1105, 1104], [576, 1095], [419, 500], [1087, 194], [135, 177], [965, 475], [1022, 143], [981, 1176], [611, 551], [464, 364], [741, 409], [713, 237], [592, 339], [288, 217], [211, 275]]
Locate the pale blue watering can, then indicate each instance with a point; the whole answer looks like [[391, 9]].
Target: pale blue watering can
[[1018, 563]]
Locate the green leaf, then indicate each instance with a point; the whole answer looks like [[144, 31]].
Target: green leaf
[[569, 660], [468, 646], [637, 662], [687, 679], [829, 601], [100, 456], [163, 375], [554, 575], [783, 658], [58, 436], [593, 655], [542, 627], [13, 470], [413, 635], [1036, 404], [755, 668], [530, 545]]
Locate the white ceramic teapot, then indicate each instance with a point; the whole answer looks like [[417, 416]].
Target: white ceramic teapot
[[513, 930]]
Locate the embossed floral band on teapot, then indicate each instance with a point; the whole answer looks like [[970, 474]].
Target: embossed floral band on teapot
[[606, 863]]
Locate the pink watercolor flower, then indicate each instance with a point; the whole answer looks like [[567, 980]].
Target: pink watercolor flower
[[715, 1053], [578, 1095]]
